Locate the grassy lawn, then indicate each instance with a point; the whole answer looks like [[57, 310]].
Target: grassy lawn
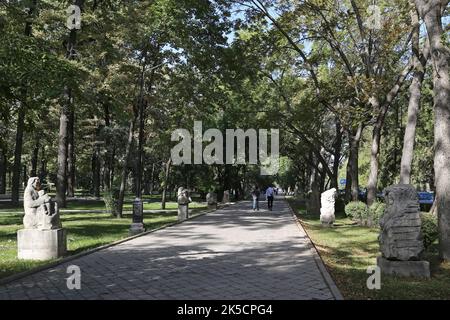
[[84, 231], [348, 250], [100, 205]]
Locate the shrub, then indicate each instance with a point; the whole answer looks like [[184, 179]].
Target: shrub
[[376, 211], [429, 229], [357, 210]]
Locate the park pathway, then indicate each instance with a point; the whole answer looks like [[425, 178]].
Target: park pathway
[[232, 253]]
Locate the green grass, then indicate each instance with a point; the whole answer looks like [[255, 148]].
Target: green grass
[[348, 249], [84, 231], [100, 205]]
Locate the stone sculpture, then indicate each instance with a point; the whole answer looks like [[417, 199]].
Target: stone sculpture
[[183, 200], [328, 199], [401, 242], [226, 196], [211, 200], [40, 211], [42, 237]]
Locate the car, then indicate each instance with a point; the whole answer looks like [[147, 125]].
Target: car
[[426, 197]]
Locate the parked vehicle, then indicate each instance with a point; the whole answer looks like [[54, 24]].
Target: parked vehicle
[[426, 200]]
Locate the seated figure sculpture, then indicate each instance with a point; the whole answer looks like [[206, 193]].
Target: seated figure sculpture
[[40, 211], [183, 196]]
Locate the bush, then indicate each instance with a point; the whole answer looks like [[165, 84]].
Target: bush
[[376, 211], [357, 210], [429, 229]]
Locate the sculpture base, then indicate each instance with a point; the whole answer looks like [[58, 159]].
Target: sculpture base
[[327, 224], [33, 244], [183, 212], [417, 269], [136, 228], [212, 206], [327, 219]]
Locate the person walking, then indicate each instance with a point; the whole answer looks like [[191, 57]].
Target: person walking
[[255, 196], [269, 196]]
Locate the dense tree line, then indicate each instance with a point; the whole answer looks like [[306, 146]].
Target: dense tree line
[[358, 94]]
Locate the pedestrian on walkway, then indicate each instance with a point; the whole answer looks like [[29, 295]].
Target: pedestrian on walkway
[[255, 197], [269, 196]]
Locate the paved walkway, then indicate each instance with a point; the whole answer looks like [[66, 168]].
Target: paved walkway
[[232, 253]]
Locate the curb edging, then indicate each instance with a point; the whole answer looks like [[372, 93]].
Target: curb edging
[[63, 260], [318, 259]]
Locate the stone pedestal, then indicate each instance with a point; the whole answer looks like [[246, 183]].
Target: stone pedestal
[[36, 244], [137, 226], [183, 212], [327, 216], [212, 206], [417, 269], [211, 200]]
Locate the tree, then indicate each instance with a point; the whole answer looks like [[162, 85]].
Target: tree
[[431, 12], [420, 58]]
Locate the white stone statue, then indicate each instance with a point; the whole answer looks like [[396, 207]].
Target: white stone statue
[[211, 200], [226, 196], [328, 199], [183, 196], [183, 200], [40, 211]]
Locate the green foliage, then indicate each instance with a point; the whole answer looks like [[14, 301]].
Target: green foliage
[[357, 210], [429, 229], [376, 211], [286, 176], [349, 251]]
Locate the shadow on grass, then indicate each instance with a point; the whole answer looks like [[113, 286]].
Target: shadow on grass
[[348, 250]]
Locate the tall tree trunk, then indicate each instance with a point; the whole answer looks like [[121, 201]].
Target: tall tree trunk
[[337, 156], [348, 180], [420, 61], [71, 155], [96, 167], [3, 170], [108, 155], [61, 177], [65, 116], [43, 168], [20, 122], [35, 157], [374, 152], [111, 165], [353, 163], [123, 181], [152, 179], [166, 181], [440, 54], [17, 167]]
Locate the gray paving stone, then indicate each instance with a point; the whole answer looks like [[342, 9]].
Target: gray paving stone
[[232, 253]]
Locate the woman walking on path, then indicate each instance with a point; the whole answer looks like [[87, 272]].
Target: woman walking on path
[[255, 197], [269, 196]]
